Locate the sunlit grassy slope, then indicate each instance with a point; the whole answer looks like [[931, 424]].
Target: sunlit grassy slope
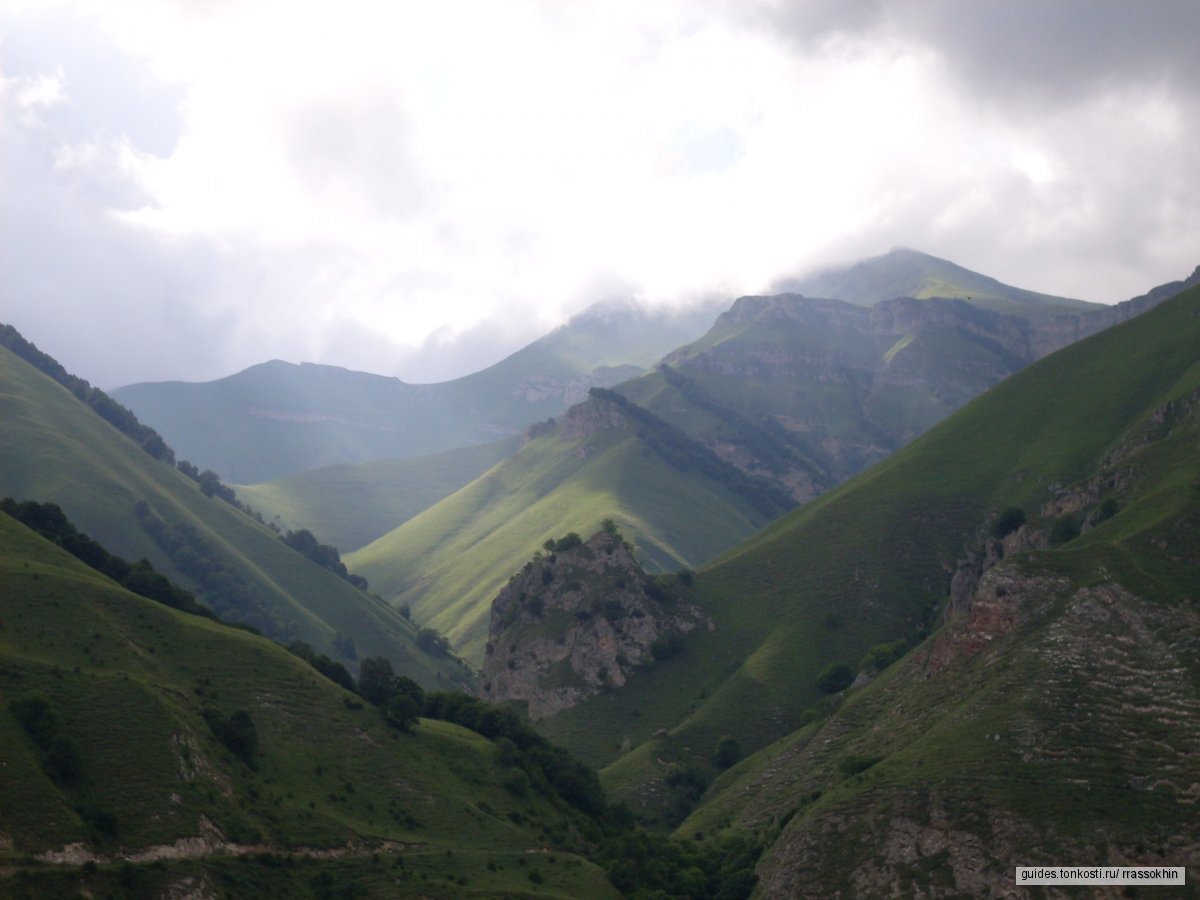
[[54, 449], [126, 681], [351, 505], [872, 560], [449, 562], [801, 393]]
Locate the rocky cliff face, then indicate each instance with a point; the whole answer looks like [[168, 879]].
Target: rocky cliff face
[[577, 621]]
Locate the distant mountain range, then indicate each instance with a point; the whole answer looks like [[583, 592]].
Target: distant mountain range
[[278, 418], [784, 398]]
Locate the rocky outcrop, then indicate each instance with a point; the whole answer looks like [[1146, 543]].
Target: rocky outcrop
[[592, 416], [578, 620]]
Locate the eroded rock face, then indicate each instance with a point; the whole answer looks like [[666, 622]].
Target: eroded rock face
[[578, 621]]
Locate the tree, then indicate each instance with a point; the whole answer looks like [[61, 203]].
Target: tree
[[376, 680], [401, 711], [835, 678], [729, 751], [1012, 518]]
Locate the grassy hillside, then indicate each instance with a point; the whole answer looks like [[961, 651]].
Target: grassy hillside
[[350, 505], [54, 449], [785, 396], [108, 758], [277, 419], [872, 561], [1052, 717], [449, 562]]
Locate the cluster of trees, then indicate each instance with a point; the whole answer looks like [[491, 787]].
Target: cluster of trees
[[568, 542], [48, 520], [227, 589], [682, 452], [639, 863], [324, 555], [211, 486], [60, 757], [647, 864], [95, 399]]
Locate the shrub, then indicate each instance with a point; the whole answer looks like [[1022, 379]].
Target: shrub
[[1009, 520], [855, 763], [728, 752], [835, 678], [1064, 530], [666, 645]]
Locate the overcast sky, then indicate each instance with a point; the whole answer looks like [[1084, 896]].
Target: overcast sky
[[418, 188]]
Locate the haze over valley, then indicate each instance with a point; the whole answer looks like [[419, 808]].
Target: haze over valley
[[597, 450]]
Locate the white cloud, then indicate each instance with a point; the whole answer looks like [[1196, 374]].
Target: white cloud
[[371, 178]]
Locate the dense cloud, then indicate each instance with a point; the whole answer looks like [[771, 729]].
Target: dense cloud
[[190, 189]]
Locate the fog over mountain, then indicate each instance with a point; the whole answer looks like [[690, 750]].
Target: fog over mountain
[[190, 189]]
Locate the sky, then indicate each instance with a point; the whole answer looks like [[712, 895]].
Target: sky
[[420, 188]]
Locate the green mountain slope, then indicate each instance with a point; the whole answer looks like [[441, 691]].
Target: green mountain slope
[[277, 419], [1113, 418], [910, 273], [789, 394], [110, 761], [54, 449], [350, 505], [448, 562]]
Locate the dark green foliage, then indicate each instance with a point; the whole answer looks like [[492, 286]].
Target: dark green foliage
[[644, 864], [400, 699], [34, 713], [881, 656], [325, 556], [429, 640], [376, 680], [567, 542], [101, 822], [855, 763], [666, 645], [237, 732], [687, 785], [1064, 530], [95, 399], [550, 769], [728, 752], [1107, 509], [48, 520], [835, 678], [60, 757], [63, 762], [401, 711], [685, 453], [211, 486], [1009, 520], [331, 669], [230, 592]]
